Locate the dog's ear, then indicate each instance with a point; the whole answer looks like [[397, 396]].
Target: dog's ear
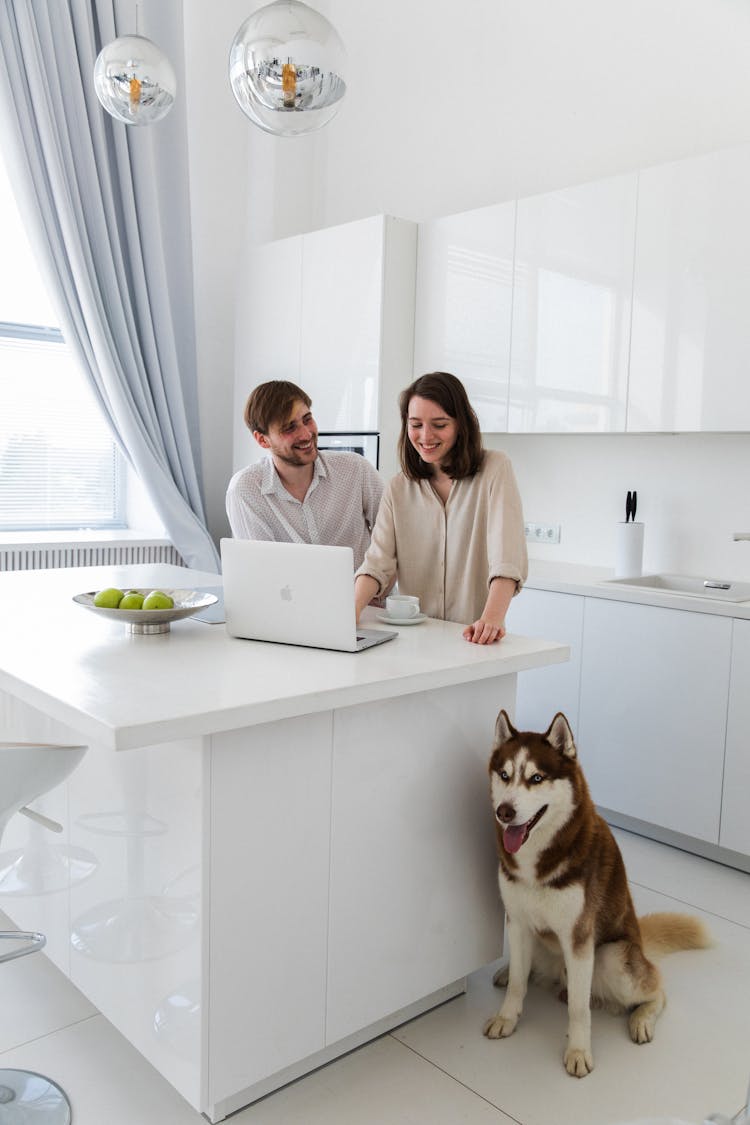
[[561, 736], [504, 729]]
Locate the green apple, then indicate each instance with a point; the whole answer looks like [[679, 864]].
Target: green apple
[[132, 600], [109, 598], [157, 599]]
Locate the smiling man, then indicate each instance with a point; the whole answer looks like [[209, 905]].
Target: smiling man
[[297, 494]]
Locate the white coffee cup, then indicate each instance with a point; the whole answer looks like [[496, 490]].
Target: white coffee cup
[[402, 605]]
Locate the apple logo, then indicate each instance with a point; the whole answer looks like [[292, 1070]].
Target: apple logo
[[286, 593]]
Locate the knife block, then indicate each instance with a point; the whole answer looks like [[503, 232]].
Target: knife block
[[629, 550]]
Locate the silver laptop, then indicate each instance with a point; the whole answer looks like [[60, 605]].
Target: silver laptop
[[294, 594]]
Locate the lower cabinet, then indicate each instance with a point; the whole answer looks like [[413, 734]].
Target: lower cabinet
[[658, 702], [353, 875], [542, 692], [654, 689], [414, 903], [735, 811], [270, 792]]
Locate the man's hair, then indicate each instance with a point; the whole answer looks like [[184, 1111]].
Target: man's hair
[[448, 392], [271, 404]]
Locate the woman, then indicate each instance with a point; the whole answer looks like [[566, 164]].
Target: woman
[[450, 525]]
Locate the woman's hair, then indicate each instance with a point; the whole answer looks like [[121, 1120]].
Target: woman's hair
[[272, 403], [465, 458]]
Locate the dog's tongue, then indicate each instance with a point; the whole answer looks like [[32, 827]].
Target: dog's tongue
[[513, 837]]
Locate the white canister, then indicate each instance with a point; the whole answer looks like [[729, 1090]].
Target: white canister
[[629, 550]]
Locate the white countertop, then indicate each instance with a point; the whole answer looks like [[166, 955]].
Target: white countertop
[[126, 691], [591, 582]]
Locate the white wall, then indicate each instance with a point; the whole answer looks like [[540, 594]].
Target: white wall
[[217, 139], [692, 495], [454, 106]]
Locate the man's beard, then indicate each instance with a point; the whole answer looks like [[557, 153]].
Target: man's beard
[[296, 459]]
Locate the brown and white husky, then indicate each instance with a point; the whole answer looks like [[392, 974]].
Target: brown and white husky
[[571, 921]]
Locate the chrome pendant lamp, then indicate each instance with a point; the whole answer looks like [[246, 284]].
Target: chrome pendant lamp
[[286, 68], [134, 80]]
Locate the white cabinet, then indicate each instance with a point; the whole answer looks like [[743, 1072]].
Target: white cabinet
[[414, 902], [353, 877], [735, 811], [463, 305], [342, 285], [572, 286], [542, 692], [267, 334], [269, 853], [654, 690], [690, 349], [334, 312]]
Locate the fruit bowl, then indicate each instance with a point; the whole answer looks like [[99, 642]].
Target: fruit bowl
[[147, 621]]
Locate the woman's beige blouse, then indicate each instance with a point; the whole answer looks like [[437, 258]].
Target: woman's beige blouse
[[449, 554]]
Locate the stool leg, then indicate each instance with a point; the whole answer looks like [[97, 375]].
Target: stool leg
[[32, 943]]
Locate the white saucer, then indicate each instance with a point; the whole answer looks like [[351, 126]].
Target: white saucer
[[388, 620]]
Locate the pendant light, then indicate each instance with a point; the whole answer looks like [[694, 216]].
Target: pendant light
[[286, 68], [134, 80]]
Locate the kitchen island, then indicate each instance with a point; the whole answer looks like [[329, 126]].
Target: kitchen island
[[270, 854]]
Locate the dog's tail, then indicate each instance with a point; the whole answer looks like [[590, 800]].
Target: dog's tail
[[667, 933]]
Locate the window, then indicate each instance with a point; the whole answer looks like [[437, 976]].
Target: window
[[59, 465]]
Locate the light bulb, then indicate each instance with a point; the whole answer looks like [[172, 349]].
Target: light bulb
[[286, 68], [134, 80]]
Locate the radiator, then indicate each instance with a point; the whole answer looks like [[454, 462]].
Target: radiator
[[29, 557]]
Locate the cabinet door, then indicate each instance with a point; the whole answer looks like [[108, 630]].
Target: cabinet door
[[267, 330], [414, 902], [542, 692], [270, 789], [690, 348], [654, 689], [735, 809], [463, 305], [572, 284], [342, 289]]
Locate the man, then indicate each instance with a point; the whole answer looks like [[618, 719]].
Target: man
[[298, 495]]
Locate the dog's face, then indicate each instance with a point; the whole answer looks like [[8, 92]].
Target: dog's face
[[532, 780]]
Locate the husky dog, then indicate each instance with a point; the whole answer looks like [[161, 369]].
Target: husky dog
[[571, 921]]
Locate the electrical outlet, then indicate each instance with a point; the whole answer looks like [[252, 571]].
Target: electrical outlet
[[542, 532]]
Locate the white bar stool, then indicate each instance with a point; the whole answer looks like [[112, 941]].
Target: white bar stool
[[27, 770]]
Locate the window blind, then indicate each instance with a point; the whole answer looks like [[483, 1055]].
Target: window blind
[[59, 466]]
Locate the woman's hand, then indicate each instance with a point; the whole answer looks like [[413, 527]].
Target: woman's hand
[[490, 627], [484, 632]]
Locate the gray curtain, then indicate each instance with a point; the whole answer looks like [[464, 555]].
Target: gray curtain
[[107, 207]]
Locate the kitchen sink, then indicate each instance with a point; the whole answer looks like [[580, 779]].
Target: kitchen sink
[[716, 589]]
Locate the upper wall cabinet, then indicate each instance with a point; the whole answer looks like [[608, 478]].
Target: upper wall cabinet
[[267, 330], [690, 348], [334, 312], [463, 305], [571, 309]]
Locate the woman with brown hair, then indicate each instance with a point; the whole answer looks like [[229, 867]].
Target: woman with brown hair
[[450, 525]]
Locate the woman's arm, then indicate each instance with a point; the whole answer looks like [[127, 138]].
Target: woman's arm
[[365, 589], [377, 572], [491, 625]]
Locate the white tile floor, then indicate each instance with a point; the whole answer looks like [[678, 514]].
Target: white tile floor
[[439, 1069]]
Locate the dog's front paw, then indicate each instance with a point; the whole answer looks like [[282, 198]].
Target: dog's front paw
[[578, 1062], [500, 979], [641, 1025], [500, 1026]]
